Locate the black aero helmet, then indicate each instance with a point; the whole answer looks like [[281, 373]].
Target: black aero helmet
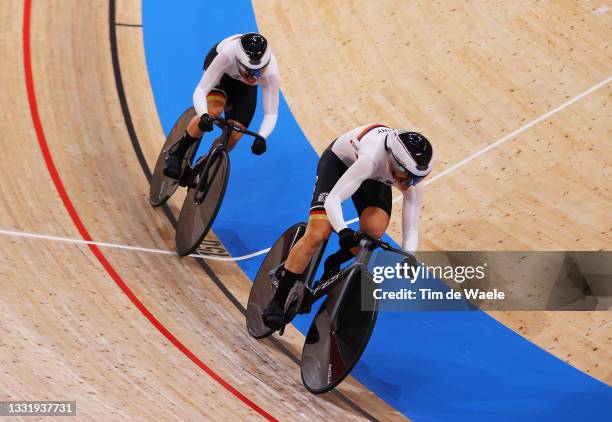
[[253, 54], [411, 152]]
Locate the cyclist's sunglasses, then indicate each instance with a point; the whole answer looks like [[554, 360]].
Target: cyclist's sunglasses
[[250, 73], [406, 178], [410, 179]]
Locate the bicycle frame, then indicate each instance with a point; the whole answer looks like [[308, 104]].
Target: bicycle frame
[[367, 245], [221, 147], [206, 161], [226, 129], [330, 283]]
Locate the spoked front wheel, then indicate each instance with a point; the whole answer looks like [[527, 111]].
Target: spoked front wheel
[[202, 202], [163, 187], [329, 355]]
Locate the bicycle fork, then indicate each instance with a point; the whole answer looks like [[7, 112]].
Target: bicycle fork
[[363, 256]]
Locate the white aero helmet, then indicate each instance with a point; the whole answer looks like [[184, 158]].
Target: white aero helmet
[[253, 55], [411, 153]]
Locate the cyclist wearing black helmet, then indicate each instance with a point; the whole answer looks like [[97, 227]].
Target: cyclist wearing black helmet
[[232, 70], [361, 164]]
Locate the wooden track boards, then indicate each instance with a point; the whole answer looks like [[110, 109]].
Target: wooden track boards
[[71, 333], [466, 75]]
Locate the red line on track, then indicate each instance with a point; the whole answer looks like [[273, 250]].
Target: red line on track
[[44, 147]]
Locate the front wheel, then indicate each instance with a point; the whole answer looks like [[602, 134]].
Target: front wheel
[[202, 202], [329, 356]]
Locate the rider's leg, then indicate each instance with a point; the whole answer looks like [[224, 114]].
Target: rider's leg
[[244, 102], [193, 134], [333, 262], [317, 232], [374, 221], [373, 203], [215, 104], [329, 170]]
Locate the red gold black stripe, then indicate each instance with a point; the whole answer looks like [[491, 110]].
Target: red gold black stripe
[[318, 214], [216, 96], [366, 130]]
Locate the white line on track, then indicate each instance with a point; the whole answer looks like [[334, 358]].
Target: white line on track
[[13, 233], [263, 251], [507, 137]]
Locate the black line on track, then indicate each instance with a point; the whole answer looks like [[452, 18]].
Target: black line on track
[[140, 155], [131, 25], [129, 124]]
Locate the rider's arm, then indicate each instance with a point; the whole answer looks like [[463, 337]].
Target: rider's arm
[[346, 186], [270, 87], [410, 217], [210, 78]]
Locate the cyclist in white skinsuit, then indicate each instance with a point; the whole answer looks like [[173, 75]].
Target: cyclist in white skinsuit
[[225, 63], [233, 69], [368, 159], [362, 164]]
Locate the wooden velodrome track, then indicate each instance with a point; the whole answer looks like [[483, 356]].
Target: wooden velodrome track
[[70, 332], [69, 329], [468, 76]]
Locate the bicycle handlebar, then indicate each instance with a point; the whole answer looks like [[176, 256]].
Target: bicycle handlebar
[[380, 244], [221, 123]]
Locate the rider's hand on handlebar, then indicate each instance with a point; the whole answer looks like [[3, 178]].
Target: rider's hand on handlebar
[[259, 146], [410, 260], [206, 123], [411, 264], [348, 238]]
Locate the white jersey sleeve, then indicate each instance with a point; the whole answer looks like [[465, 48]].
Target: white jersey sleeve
[[346, 186], [363, 151], [270, 86], [211, 77], [411, 209]]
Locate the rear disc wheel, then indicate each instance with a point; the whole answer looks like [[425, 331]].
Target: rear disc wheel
[[162, 187]]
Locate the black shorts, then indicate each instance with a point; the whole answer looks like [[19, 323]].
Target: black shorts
[[371, 193], [240, 98]]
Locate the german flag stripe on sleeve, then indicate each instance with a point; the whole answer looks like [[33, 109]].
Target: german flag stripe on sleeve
[[367, 129], [318, 214], [216, 94]]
